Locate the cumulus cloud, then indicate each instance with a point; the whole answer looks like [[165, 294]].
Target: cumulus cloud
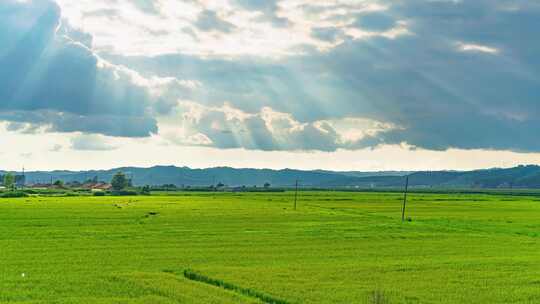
[[56, 148], [228, 127], [51, 78], [209, 21], [477, 48], [268, 9], [91, 143], [147, 6], [466, 74], [239, 28], [429, 74]]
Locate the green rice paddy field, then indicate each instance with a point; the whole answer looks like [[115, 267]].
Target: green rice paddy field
[[254, 248]]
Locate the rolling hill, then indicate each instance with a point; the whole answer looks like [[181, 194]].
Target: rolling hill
[[517, 177]]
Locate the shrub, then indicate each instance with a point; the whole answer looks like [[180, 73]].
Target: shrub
[[13, 194], [146, 190], [99, 193], [124, 193]]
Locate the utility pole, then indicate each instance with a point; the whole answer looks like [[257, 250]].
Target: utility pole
[[296, 195], [405, 199]]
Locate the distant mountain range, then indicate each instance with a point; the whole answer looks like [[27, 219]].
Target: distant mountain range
[[518, 177]]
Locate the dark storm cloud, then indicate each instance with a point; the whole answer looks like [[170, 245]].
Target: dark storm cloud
[[375, 22], [466, 76], [106, 124], [444, 97], [91, 143], [329, 34], [50, 77]]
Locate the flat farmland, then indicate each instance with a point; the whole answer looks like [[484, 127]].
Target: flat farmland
[[337, 247]]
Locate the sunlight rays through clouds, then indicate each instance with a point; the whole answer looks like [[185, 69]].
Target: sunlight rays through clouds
[[279, 76]]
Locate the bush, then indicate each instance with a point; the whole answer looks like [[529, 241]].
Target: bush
[[13, 194], [146, 190], [124, 193], [72, 194], [46, 192], [99, 193]]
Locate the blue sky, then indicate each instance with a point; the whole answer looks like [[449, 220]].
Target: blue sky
[[337, 84]]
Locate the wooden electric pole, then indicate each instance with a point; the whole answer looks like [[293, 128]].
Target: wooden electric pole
[[405, 199], [23, 178]]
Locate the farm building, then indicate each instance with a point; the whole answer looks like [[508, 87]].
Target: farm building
[[97, 186]]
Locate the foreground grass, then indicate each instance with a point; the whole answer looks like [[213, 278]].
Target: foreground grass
[[337, 248]]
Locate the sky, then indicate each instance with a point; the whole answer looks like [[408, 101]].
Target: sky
[[361, 85]]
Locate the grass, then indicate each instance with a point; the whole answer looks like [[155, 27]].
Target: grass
[[339, 247]]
